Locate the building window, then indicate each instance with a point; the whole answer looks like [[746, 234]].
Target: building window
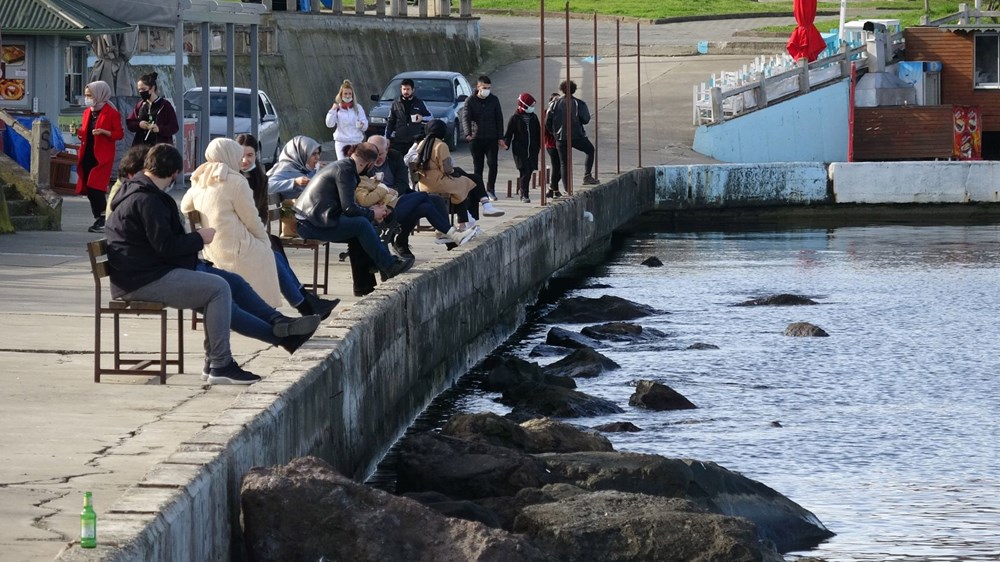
[[76, 72], [987, 63]]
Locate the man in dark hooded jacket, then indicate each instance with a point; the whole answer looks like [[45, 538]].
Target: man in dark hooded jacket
[[555, 124]]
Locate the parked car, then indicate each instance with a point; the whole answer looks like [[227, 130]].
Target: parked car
[[444, 93], [268, 129]]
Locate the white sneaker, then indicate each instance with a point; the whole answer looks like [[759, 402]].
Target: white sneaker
[[469, 225], [443, 238], [490, 211], [460, 237]]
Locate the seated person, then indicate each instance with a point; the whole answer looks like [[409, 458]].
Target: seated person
[[327, 211], [438, 174], [152, 258], [296, 165], [410, 207], [223, 198], [390, 168], [131, 164]]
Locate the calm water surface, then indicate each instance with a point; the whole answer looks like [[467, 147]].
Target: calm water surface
[[889, 427]]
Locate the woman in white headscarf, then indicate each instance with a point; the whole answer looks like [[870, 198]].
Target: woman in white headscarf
[[100, 130], [222, 197]]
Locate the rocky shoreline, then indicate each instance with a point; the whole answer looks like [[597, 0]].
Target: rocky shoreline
[[528, 487]]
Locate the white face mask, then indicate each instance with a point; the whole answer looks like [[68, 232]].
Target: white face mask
[[484, 93], [530, 109], [88, 101], [347, 99], [251, 168]]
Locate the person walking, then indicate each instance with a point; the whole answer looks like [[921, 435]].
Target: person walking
[[406, 119], [101, 128], [153, 119], [555, 167], [347, 119], [482, 121], [522, 136], [555, 122]]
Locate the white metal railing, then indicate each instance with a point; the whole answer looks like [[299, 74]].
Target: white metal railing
[[771, 79]]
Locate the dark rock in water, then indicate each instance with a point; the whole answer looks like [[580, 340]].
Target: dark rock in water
[[545, 350], [604, 309], [622, 331], [513, 371], [305, 510], [615, 526], [805, 330], [776, 424], [618, 427], [652, 261], [566, 338], [596, 286], [783, 299], [700, 345], [466, 470], [779, 519], [656, 396], [584, 362], [558, 402], [459, 509], [534, 436]]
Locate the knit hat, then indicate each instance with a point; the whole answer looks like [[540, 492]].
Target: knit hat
[[525, 100]]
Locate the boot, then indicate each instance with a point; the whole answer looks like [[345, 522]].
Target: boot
[[311, 304], [459, 237], [589, 179], [401, 245]]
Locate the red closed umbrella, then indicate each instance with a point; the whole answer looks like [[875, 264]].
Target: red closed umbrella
[[805, 42]]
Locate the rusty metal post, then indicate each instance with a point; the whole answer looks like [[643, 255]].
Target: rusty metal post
[[568, 124], [597, 106], [510, 189], [618, 91], [542, 89], [638, 92], [534, 180]]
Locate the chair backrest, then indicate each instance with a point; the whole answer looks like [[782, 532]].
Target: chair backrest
[[273, 211], [98, 252], [194, 220]]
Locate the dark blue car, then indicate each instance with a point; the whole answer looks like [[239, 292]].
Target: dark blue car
[[444, 93]]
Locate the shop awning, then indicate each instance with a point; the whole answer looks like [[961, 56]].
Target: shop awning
[[65, 18], [971, 27]]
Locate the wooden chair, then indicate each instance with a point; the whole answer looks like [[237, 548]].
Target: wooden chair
[[98, 252], [292, 240]]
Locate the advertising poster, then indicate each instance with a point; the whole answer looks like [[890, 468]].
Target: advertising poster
[[13, 72], [968, 132]]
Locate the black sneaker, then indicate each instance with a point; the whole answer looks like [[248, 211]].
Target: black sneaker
[[285, 326], [525, 199], [231, 374], [292, 343], [98, 226], [315, 305], [590, 180], [401, 265], [401, 247]]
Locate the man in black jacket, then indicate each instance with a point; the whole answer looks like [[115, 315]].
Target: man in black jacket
[[153, 259], [482, 121], [555, 124], [406, 118]]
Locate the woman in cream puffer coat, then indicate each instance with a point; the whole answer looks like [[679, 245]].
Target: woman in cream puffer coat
[[220, 193]]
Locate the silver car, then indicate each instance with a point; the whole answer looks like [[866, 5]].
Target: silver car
[[269, 127]]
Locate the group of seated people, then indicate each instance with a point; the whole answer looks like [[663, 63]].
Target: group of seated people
[[231, 269]]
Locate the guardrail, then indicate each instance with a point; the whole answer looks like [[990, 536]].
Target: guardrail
[[40, 138], [396, 8]]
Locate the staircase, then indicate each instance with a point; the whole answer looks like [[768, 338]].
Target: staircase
[[21, 213]]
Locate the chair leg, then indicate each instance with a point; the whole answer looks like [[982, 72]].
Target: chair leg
[[118, 343], [326, 269], [163, 346], [97, 345], [180, 340], [315, 286]]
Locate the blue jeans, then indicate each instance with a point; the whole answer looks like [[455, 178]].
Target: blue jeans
[[414, 206], [351, 228], [289, 284], [251, 316]]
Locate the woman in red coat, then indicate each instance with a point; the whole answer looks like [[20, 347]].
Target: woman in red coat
[[100, 130]]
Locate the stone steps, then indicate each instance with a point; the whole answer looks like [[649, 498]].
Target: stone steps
[[21, 212]]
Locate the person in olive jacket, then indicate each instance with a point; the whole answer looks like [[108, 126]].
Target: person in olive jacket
[[405, 124], [482, 121]]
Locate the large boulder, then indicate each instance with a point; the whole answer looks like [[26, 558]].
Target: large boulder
[[622, 332], [617, 526], [652, 261], [584, 362], [778, 519], [462, 469], [805, 330], [546, 350], [783, 299], [488, 428], [540, 400], [657, 396], [567, 338], [618, 427], [607, 308], [461, 509], [513, 371], [307, 511], [541, 435]]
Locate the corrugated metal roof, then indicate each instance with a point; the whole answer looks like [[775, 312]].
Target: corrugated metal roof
[[55, 17], [969, 28]]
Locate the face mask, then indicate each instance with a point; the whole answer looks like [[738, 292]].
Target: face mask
[[484, 93], [89, 102], [347, 99], [251, 168], [145, 95], [529, 109]]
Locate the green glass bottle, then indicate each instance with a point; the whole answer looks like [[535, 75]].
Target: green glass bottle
[[88, 523]]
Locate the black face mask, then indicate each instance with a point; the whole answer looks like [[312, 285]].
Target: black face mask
[[145, 95]]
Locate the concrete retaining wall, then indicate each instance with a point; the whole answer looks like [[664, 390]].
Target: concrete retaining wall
[[916, 182], [347, 399], [735, 185]]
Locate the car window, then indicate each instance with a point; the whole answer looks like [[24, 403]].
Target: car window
[[217, 103], [427, 89], [267, 105], [463, 87]]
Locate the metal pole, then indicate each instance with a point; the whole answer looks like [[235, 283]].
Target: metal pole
[[618, 91], [179, 85], [230, 80], [255, 80], [204, 135], [568, 126], [850, 115], [597, 105], [543, 98], [638, 79]]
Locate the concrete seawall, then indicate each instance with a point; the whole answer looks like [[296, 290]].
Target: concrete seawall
[[347, 399]]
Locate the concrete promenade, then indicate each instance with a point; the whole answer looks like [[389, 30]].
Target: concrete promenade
[[63, 434]]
